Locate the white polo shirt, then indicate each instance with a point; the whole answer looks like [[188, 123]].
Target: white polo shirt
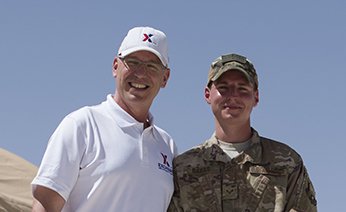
[[100, 159]]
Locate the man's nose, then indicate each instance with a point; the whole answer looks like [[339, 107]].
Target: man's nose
[[141, 69], [232, 92]]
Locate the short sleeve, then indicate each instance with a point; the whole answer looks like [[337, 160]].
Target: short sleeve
[[61, 162]]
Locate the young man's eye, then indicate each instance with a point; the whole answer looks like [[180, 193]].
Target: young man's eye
[[222, 87], [244, 89]]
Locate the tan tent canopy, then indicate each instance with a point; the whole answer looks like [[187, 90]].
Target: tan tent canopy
[[16, 175]]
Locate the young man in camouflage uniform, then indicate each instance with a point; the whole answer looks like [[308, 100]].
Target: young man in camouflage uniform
[[236, 169]]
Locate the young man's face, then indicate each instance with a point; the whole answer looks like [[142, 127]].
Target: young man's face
[[232, 98], [138, 85]]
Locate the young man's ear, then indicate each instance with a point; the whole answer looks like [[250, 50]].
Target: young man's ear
[[207, 94], [115, 67], [256, 98]]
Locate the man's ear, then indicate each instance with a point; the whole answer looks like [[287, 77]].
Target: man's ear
[[256, 98], [115, 67], [165, 77], [207, 94]]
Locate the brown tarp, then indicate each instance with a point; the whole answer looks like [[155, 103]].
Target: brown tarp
[[16, 175]]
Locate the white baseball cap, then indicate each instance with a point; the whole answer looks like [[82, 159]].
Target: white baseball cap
[[147, 39]]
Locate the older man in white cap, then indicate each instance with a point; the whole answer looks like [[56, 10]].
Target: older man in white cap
[[111, 156]]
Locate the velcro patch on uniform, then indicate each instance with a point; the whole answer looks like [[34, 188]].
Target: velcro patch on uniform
[[200, 170], [262, 170]]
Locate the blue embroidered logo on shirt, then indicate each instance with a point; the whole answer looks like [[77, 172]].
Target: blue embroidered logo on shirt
[[165, 165]]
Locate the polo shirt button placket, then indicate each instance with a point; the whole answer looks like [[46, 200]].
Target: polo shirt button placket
[[144, 149]]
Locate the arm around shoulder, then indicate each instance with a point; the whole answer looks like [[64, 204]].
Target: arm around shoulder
[[47, 200]]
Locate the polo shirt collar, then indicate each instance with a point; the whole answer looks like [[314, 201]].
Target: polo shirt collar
[[121, 117]]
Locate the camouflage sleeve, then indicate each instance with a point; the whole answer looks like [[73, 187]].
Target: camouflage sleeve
[[173, 207], [175, 201], [300, 191]]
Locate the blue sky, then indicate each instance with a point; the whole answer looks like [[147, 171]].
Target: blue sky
[[56, 57]]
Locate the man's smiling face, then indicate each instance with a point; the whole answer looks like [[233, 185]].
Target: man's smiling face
[[139, 85]]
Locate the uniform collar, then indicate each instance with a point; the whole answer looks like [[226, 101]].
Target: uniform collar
[[253, 154]]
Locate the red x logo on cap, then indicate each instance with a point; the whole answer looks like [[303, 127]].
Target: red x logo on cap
[[147, 37]]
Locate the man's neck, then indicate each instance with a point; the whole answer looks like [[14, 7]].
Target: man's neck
[[233, 133], [140, 112]]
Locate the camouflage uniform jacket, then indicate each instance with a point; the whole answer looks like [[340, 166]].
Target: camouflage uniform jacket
[[268, 176]]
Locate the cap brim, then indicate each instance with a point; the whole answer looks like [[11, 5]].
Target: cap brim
[[143, 48]]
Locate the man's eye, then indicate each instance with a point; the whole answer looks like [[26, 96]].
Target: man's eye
[[222, 87], [132, 62], [243, 89], [152, 67]]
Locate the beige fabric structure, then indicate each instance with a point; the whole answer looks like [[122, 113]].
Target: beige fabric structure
[[16, 175]]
